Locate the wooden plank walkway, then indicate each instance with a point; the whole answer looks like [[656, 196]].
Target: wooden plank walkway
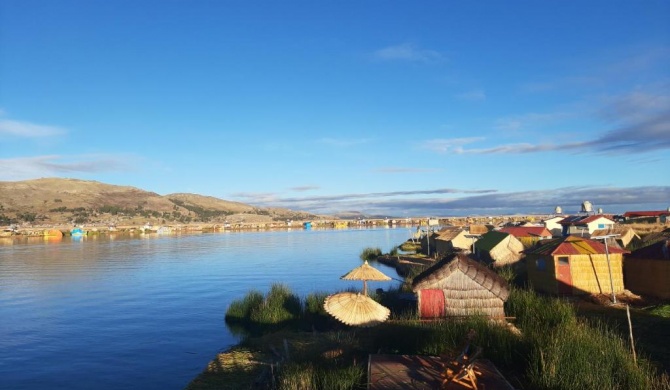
[[400, 372]]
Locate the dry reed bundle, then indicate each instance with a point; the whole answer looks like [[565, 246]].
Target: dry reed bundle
[[355, 309]]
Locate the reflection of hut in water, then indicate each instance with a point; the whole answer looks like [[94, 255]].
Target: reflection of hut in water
[[459, 286]]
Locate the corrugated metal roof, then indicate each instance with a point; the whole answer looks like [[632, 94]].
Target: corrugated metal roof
[[527, 231], [573, 245], [583, 219]]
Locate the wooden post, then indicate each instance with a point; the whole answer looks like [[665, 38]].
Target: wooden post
[[630, 331]]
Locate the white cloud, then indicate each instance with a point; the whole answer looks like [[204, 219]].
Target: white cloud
[[518, 122], [24, 168], [452, 145], [27, 129], [407, 52]]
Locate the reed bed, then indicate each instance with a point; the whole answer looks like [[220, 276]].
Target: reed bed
[[370, 253], [553, 350]]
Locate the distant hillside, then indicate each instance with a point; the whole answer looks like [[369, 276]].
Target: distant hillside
[[59, 201]]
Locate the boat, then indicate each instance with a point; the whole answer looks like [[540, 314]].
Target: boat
[[307, 225], [77, 232], [53, 233]]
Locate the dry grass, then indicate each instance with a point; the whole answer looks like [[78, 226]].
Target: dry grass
[[646, 228]]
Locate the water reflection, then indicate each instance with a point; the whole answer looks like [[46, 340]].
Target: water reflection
[[153, 303]]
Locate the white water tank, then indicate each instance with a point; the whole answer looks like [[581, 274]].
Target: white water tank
[[558, 210], [587, 207], [600, 210]]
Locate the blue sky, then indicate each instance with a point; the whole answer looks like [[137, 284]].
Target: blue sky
[[393, 108]]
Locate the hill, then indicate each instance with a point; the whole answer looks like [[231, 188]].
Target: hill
[[53, 201]]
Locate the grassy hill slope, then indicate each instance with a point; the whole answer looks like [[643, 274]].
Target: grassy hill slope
[[58, 201]]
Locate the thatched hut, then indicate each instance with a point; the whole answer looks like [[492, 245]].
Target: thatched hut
[[458, 286], [647, 270], [452, 239], [499, 249], [528, 235], [625, 236], [575, 265]]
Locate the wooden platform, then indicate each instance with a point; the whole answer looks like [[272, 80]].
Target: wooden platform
[[395, 372]]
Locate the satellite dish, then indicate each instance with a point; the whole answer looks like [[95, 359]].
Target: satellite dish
[[600, 210], [587, 207], [558, 210]]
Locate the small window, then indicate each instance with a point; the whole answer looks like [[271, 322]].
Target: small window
[[564, 260], [601, 226], [541, 265]]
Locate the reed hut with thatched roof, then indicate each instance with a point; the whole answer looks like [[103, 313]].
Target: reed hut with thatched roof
[[625, 236], [647, 270], [498, 249], [528, 235], [452, 239], [574, 265], [458, 286]]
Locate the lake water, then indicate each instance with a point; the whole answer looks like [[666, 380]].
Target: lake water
[[147, 312]]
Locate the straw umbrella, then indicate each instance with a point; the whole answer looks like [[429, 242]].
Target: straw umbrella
[[355, 309], [365, 272]]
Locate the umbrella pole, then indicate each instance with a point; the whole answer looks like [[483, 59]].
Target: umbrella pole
[[365, 287]]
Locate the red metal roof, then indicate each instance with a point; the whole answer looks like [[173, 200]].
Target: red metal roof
[[652, 213], [527, 231], [573, 245]]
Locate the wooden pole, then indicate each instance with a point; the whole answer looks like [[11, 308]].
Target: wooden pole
[[630, 331]]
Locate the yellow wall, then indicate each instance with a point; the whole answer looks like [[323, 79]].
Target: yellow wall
[[542, 280], [590, 273]]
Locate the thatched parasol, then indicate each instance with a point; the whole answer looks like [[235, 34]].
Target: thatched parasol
[[365, 272], [356, 309]]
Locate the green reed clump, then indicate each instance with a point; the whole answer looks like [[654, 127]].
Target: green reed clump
[[409, 246], [587, 357], [314, 303], [240, 310], [310, 375], [370, 253], [315, 316], [280, 305], [394, 251], [255, 311], [564, 352], [535, 312]]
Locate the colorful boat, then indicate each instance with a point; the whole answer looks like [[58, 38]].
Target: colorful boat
[[53, 233], [77, 232]]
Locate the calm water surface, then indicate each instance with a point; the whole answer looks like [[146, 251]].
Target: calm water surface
[[147, 312]]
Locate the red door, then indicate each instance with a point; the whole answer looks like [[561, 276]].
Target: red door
[[432, 303], [563, 276]]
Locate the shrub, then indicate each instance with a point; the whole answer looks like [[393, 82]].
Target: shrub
[[280, 305], [370, 253]]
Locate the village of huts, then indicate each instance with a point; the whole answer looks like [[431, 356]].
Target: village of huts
[[585, 254]]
